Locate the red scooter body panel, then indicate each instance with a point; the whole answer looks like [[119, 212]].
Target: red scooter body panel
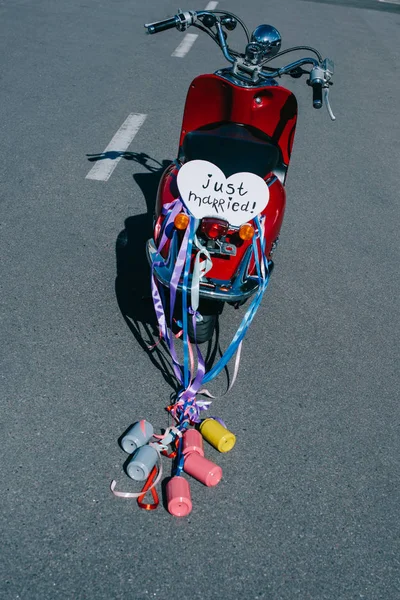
[[212, 99], [272, 109]]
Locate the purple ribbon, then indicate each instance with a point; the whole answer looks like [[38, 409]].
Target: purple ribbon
[[185, 408]]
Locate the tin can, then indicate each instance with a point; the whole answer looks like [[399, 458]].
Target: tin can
[[202, 469], [142, 463], [178, 496], [138, 435], [192, 442], [218, 436]]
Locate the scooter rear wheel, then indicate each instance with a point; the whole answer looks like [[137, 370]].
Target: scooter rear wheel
[[204, 329]]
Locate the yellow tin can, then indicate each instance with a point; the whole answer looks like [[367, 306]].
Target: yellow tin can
[[217, 435]]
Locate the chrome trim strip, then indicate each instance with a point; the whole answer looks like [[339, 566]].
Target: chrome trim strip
[[228, 75]]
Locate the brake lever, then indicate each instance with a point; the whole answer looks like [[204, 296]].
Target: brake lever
[[325, 91], [328, 67]]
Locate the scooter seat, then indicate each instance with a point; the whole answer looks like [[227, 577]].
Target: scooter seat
[[233, 148]]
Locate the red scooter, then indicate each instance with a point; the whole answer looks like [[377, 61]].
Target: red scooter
[[238, 129]]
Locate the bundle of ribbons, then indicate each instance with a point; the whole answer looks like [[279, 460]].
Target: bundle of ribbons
[[184, 441]]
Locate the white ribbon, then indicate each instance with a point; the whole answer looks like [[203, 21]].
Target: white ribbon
[[199, 270]]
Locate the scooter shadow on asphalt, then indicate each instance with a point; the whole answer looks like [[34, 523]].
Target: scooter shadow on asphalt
[[132, 284]]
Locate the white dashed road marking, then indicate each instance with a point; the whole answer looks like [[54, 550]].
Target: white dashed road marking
[[104, 167], [211, 6], [185, 45], [390, 1]]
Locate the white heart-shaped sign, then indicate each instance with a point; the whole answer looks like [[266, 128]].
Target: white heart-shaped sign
[[206, 192]]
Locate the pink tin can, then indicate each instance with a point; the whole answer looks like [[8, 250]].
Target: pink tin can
[[193, 442], [202, 469], [178, 497]]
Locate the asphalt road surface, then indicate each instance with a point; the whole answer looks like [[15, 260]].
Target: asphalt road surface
[[309, 504]]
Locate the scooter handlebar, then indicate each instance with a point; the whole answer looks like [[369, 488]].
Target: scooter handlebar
[[320, 80], [181, 21], [158, 26], [317, 95]]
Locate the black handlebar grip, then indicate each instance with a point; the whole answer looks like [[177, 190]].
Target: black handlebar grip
[[162, 25], [317, 95]]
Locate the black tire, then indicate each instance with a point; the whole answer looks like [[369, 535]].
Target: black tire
[[204, 328]]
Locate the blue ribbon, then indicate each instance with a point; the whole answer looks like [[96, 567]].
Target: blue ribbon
[[186, 374], [251, 311], [180, 459]]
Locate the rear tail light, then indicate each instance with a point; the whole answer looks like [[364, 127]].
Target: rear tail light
[[214, 228]]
